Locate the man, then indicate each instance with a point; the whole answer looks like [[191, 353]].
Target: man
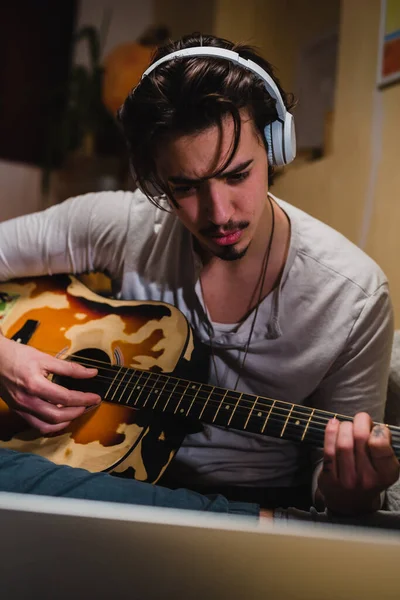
[[288, 308]]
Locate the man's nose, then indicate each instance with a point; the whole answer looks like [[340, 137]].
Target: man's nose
[[217, 203]]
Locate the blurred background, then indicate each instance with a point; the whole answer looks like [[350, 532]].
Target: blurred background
[[66, 67]]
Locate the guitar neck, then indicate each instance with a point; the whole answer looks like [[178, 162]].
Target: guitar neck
[[218, 406]]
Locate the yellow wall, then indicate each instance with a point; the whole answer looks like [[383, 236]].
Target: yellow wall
[[334, 189], [183, 16], [384, 237], [277, 27]]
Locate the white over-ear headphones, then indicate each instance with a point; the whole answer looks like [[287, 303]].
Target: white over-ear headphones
[[280, 134]]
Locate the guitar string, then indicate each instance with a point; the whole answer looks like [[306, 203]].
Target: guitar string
[[172, 378], [293, 407], [111, 368], [313, 430]]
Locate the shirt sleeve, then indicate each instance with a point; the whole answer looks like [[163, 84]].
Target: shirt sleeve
[[82, 234], [358, 380]]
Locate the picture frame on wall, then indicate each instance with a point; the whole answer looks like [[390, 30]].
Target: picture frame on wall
[[389, 43]]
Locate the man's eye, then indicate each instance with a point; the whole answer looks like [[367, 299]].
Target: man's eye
[[183, 190], [238, 177]]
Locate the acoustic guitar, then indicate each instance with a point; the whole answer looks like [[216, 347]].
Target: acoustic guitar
[[144, 353]]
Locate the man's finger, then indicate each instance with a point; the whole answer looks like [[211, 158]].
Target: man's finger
[[48, 412], [329, 466], [43, 427], [69, 368], [57, 394], [362, 424], [382, 455], [345, 458]]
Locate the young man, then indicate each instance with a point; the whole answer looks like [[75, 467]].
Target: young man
[[287, 307]]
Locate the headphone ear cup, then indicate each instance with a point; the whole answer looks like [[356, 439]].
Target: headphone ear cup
[[289, 138], [274, 137], [281, 141], [268, 139], [277, 143]]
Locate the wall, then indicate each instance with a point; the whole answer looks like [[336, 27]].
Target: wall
[[182, 16], [383, 241], [339, 189], [128, 19], [19, 189], [277, 27], [334, 188]]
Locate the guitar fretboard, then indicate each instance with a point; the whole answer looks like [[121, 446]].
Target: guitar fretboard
[[218, 406]]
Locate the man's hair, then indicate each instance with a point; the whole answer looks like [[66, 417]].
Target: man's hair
[[186, 96]]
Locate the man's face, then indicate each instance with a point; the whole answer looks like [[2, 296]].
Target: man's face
[[224, 212]]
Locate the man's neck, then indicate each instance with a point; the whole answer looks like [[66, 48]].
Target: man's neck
[[232, 288]]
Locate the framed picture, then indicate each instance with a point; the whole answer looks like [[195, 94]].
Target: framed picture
[[389, 43]]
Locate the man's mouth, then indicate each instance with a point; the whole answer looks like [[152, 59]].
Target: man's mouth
[[228, 238], [228, 235]]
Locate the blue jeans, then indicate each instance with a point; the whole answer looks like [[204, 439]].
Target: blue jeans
[[32, 474]]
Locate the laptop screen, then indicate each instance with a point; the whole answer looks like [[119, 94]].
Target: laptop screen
[[62, 549]]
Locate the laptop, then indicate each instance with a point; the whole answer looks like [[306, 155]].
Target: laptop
[[59, 549]]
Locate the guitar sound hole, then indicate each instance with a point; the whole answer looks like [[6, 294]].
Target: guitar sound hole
[[89, 357]]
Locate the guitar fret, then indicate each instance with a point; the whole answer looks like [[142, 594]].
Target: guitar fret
[[219, 406], [308, 423], [155, 391], [234, 410], [134, 388], [161, 392], [182, 397], [110, 387], [194, 399], [119, 384], [172, 391], [142, 388], [268, 416], [286, 422], [126, 386], [250, 413], [203, 409], [180, 394], [150, 392]]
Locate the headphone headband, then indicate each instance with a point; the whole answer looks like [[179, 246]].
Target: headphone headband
[[232, 56]]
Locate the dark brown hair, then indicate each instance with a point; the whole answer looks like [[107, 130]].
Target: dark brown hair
[[187, 95]]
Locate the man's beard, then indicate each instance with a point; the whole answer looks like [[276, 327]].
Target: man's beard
[[230, 253]]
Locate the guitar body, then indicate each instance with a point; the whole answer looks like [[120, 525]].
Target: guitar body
[[62, 317]]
